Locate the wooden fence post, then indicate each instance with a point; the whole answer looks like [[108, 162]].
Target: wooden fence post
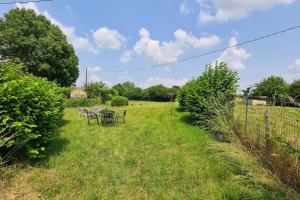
[[267, 132]]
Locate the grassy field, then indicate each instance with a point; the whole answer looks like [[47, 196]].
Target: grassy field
[[284, 121], [153, 156]]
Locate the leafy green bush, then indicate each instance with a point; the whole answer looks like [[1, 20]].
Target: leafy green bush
[[182, 94], [294, 89], [203, 96], [67, 91], [30, 109], [119, 101], [82, 102]]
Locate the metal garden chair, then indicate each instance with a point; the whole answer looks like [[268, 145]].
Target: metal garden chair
[[107, 117], [90, 115], [121, 115]]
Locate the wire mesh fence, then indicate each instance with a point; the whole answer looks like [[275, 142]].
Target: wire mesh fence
[[272, 132], [277, 121]]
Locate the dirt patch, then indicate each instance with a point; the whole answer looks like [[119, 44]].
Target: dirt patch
[[18, 187]]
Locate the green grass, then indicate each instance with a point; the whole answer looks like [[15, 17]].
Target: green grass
[[153, 156]]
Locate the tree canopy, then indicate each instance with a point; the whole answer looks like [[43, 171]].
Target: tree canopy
[[271, 86], [40, 46], [294, 89]]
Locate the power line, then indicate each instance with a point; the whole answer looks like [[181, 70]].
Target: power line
[[29, 1], [207, 53]]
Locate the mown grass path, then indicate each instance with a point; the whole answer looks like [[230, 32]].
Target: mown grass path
[[153, 156]]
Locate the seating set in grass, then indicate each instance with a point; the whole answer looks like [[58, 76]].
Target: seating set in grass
[[105, 115]]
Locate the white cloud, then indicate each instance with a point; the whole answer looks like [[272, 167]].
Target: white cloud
[[202, 42], [93, 78], [106, 38], [225, 10], [84, 43], [94, 69], [234, 56], [162, 52], [184, 8], [295, 67], [126, 56], [168, 82], [29, 5], [159, 52]]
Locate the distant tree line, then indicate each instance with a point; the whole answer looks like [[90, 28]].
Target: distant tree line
[[154, 93], [129, 90]]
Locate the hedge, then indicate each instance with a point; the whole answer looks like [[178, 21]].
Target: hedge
[[119, 101], [30, 110]]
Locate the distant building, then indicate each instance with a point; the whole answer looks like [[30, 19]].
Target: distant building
[[256, 102], [78, 93]]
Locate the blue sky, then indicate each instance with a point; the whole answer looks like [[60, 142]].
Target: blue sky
[[117, 35]]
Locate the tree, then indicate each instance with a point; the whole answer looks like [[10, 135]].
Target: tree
[[157, 93], [211, 91], [129, 90], [273, 85], [294, 89], [99, 90], [119, 87], [40, 46]]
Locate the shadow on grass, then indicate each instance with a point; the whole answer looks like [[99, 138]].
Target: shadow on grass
[[188, 119], [56, 145]]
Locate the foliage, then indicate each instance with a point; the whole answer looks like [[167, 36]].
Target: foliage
[[157, 93], [203, 96], [10, 72], [294, 89], [273, 85], [67, 91], [30, 109], [99, 90], [40, 46], [119, 101], [183, 93], [119, 87], [129, 90], [82, 102]]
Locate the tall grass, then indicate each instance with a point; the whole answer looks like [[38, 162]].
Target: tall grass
[[272, 133], [153, 156]]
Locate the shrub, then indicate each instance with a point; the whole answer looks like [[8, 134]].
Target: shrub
[[203, 96], [294, 89], [119, 101], [67, 91], [182, 95], [30, 108], [82, 102]]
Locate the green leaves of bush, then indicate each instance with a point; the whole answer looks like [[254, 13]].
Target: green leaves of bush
[[206, 94], [119, 101], [30, 109]]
